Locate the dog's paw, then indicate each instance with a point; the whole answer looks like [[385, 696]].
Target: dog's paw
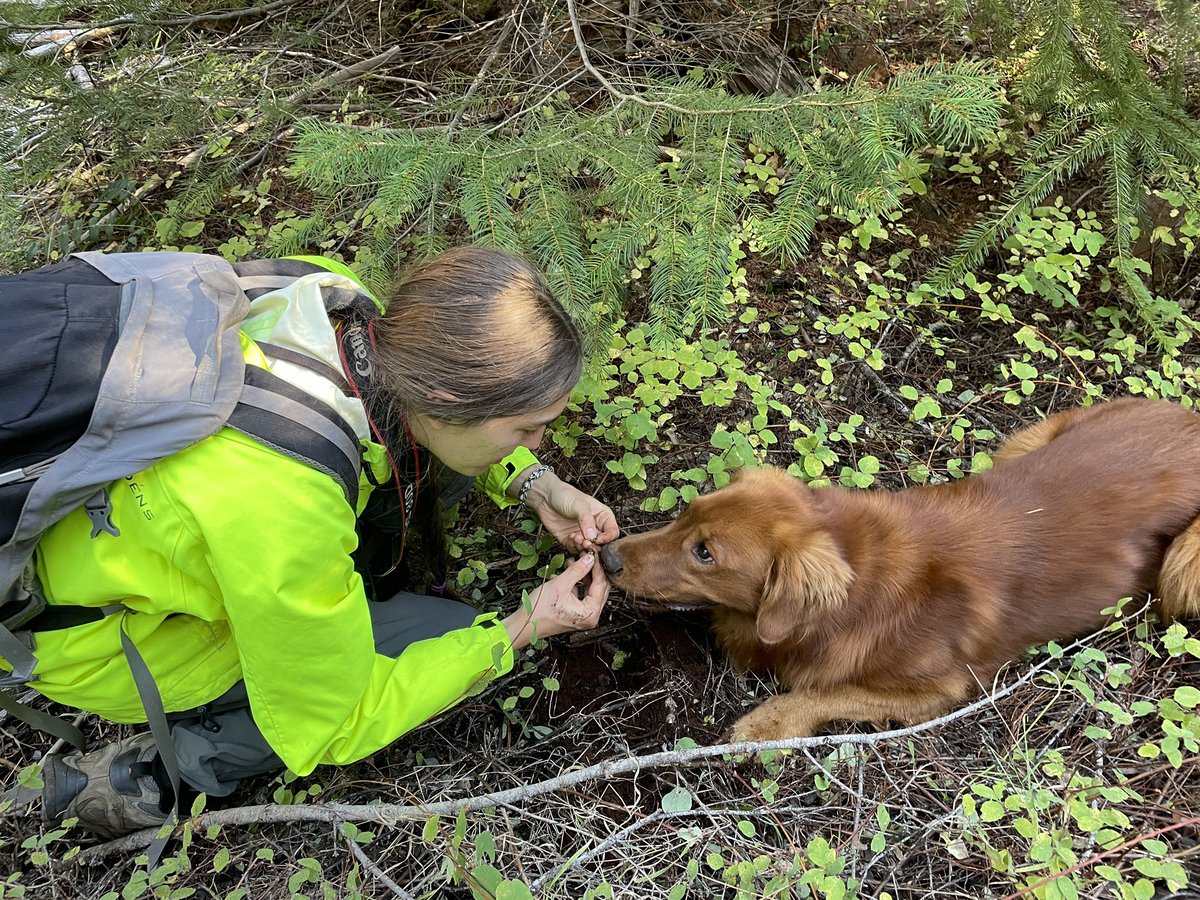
[[776, 720], [755, 731]]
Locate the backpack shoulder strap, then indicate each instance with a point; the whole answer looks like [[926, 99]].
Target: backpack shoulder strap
[[313, 365], [285, 418], [275, 412]]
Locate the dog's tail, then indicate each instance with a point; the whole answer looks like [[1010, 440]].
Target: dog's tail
[[1179, 578]]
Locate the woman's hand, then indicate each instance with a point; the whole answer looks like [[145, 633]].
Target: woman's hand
[[556, 608], [579, 521]]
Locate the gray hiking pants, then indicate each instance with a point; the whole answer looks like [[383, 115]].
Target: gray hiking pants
[[219, 743]]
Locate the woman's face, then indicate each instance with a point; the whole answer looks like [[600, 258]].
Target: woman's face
[[471, 449]]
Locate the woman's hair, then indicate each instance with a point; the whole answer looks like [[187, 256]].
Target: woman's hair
[[474, 334]]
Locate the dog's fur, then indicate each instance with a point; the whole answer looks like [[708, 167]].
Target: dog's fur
[[877, 606]]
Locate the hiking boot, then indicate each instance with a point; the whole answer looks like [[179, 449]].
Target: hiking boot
[[113, 790]]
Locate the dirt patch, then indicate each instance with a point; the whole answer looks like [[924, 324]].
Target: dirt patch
[[660, 669]]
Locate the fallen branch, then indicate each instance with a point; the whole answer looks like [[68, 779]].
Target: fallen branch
[[186, 20], [77, 73], [154, 181], [509, 24], [391, 813], [357, 70], [349, 73], [618, 836], [611, 841], [55, 40]]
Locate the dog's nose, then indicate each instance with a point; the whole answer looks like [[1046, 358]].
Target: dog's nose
[[610, 558]]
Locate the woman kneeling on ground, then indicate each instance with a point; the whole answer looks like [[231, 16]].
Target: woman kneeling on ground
[[240, 561]]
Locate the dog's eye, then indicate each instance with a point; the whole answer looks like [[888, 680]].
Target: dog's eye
[[702, 554]]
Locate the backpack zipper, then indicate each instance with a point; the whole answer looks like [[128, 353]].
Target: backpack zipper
[[28, 473]]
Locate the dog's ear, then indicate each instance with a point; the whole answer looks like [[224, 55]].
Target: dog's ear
[[805, 581]]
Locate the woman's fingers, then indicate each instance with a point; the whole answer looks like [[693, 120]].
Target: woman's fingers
[[584, 611], [595, 528], [577, 570], [594, 597], [606, 521]]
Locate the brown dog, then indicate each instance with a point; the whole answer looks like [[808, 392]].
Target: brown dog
[[876, 606]]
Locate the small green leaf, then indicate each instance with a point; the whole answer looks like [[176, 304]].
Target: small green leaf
[[31, 777], [486, 881], [991, 811], [430, 832], [869, 465], [677, 800], [1151, 868], [1187, 696]]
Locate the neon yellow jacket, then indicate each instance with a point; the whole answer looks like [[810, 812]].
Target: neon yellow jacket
[[237, 561]]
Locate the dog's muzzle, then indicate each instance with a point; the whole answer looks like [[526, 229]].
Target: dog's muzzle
[[610, 558], [614, 567]]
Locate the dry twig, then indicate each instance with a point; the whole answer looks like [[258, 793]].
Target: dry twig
[[390, 813]]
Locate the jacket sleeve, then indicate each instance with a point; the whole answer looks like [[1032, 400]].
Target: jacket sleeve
[[495, 481], [279, 536]]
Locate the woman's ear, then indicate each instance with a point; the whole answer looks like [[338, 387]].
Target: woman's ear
[[808, 578]]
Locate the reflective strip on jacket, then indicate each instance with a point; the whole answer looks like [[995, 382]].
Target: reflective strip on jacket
[[237, 559]]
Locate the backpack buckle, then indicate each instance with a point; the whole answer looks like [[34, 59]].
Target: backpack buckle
[[99, 509]]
